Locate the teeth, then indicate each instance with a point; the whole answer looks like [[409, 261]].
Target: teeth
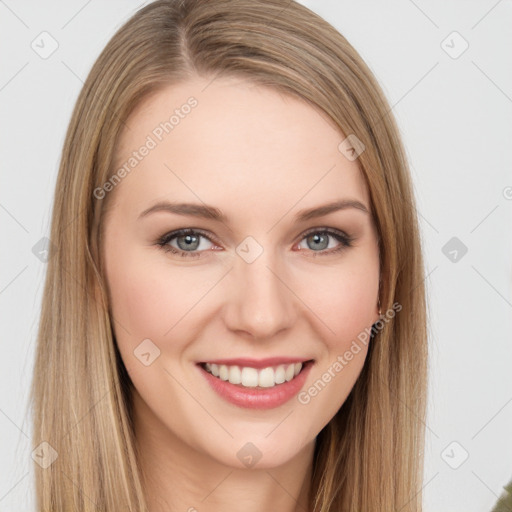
[[279, 375], [266, 378], [223, 372], [290, 370], [235, 375], [215, 370], [251, 377]]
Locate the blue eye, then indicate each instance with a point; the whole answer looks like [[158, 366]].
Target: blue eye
[[321, 237], [186, 239], [189, 241]]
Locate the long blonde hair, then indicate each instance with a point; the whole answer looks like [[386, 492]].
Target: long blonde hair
[[369, 457]]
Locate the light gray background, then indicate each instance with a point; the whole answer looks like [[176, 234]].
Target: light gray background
[[454, 115]]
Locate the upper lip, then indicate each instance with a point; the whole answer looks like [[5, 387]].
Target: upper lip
[[258, 363]]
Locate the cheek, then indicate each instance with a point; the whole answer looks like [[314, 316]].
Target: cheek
[[345, 300], [148, 300], [152, 298]]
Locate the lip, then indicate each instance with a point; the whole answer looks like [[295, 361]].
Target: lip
[[258, 398], [257, 363]]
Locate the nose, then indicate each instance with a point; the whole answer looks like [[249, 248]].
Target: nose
[[260, 303]]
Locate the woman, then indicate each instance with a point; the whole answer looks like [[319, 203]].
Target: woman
[[197, 349]]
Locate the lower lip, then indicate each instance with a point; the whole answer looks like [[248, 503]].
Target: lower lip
[[258, 398]]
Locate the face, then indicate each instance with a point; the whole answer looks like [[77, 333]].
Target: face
[[256, 287]]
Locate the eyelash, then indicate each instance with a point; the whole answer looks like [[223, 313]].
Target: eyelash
[[163, 242]]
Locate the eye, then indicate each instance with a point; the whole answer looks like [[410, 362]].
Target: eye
[[188, 242], [318, 238]]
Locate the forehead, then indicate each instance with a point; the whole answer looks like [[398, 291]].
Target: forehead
[[230, 139]]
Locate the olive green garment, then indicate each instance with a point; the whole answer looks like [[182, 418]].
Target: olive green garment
[[504, 504]]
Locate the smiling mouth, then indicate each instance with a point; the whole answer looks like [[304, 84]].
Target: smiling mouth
[[249, 377]]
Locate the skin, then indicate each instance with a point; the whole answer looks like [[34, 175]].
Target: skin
[[260, 157]]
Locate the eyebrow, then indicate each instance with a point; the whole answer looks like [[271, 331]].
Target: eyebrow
[[212, 213]]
